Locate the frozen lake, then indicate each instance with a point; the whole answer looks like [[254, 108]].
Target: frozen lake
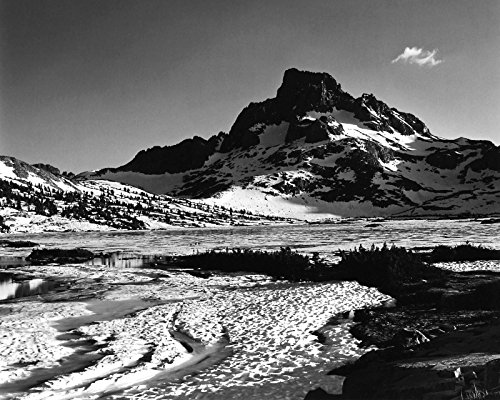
[[122, 330], [322, 238]]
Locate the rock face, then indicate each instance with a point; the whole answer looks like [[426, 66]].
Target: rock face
[[187, 155], [314, 143], [440, 341], [452, 366], [48, 168]]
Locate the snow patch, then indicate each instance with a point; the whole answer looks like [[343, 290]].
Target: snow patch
[[6, 171]]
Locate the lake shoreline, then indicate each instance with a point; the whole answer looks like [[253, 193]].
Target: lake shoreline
[[275, 329]]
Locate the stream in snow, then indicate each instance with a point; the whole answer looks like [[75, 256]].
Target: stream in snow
[[116, 328]]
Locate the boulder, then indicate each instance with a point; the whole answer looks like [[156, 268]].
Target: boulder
[[492, 374]]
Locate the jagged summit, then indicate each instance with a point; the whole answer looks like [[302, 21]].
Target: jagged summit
[[302, 93], [314, 150]]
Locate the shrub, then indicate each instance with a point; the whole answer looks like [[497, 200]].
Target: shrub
[[463, 252], [3, 226], [17, 243], [385, 268], [284, 263], [44, 256]]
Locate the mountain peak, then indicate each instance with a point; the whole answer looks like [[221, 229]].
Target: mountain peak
[[303, 91], [296, 81], [317, 146]]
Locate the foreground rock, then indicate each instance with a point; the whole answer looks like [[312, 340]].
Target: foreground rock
[[449, 367], [46, 256], [442, 341]]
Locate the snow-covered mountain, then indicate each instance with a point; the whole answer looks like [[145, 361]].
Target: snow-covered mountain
[[316, 151], [40, 199]]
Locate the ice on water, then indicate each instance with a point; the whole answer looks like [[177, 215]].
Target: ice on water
[[253, 337]]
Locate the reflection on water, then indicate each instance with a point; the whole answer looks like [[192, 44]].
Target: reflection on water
[[121, 260], [9, 289]]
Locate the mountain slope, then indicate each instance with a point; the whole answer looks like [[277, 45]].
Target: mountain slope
[[34, 199], [316, 151]]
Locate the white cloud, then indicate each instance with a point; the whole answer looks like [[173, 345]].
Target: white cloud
[[421, 57]]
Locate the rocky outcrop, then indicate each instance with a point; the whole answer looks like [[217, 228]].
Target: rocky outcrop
[[440, 341], [184, 156], [454, 366], [48, 168], [445, 158], [314, 131], [379, 116], [490, 160], [303, 91]]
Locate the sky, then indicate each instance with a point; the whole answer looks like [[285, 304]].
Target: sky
[[86, 84]]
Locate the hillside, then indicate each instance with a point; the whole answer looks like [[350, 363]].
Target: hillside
[[315, 151], [34, 199]]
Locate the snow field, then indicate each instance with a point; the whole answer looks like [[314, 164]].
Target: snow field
[[270, 332], [268, 324]]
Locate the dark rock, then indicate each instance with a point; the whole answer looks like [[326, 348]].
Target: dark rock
[[318, 132], [379, 116], [184, 156], [454, 330], [492, 374], [48, 168], [442, 395], [45, 256], [319, 394], [409, 337], [469, 376], [445, 159], [490, 159], [240, 133], [388, 381], [314, 130], [303, 91], [17, 243]]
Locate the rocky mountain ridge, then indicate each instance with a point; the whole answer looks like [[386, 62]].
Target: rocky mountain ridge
[[315, 151], [40, 198]]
